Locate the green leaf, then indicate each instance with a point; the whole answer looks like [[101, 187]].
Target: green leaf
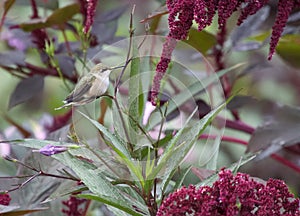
[[28, 27], [211, 149], [96, 181], [135, 96], [192, 90], [234, 167], [180, 180], [63, 15], [119, 148], [164, 158], [184, 142], [288, 49], [7, 6], [116, 144], [109, 201], [58, 17], [202, 41]]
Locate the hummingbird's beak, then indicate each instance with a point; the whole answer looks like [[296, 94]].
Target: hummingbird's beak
[[117, 67]]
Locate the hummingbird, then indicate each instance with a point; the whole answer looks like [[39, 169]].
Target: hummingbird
[[90, 87]]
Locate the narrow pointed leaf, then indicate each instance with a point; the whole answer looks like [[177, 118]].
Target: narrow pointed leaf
[[193, 89]]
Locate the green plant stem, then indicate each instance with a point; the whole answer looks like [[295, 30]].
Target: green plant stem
[[66, 42], [130, 145], [131, 33], [55, 65]]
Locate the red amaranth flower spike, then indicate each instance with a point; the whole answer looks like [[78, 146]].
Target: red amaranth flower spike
[[180, 21], [284, 9], [40, 37], [90, 14], [200, 14], [211, 8], [232, 195], [4, 199], [162, 67], [251, 8], [180, 18], [225, 10], [73, 204]]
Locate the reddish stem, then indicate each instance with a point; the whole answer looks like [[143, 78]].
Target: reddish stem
[[46, 72], [236, 125], [224, 138], [286, 162], [35, 14], [245, 143]]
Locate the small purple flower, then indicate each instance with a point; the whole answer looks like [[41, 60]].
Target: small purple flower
[[4, 199], [49, 150]]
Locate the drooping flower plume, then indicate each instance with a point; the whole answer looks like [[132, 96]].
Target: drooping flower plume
[[183, 12], [284, 9]]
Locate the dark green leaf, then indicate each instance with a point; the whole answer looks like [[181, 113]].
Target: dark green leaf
[[111, 202], [63, 15], [202, 41], [58, 17], [288, 49], [7, 5], [96, 181], [33, 26]]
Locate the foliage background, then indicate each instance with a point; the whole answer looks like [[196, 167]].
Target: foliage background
[[264, 84]]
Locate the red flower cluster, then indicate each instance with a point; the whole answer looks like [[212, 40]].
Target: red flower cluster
[[73, 204], [4, 199], [232, 195], [183, 12], [88, 9]]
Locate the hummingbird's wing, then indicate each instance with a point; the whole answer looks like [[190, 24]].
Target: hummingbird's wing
[[78, 94]]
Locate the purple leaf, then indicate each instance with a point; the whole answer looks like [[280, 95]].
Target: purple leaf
[[26, 89], [17, 39], [105, 32], [249, 26], [66, 64], [111, 15], [280, 129], [12, 58]]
